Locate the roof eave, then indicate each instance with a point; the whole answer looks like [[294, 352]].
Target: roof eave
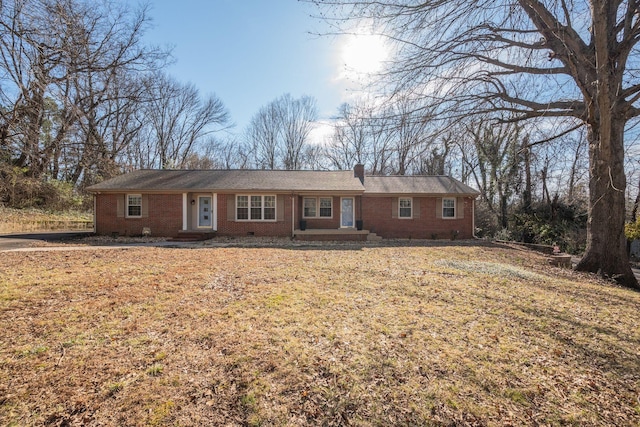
[[414, 194]]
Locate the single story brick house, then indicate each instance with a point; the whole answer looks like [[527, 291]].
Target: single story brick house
[[329, 205]]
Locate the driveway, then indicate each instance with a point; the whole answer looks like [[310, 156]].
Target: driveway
[[24, 240]]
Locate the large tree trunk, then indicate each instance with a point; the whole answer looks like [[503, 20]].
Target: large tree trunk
[[606, 116], [606, 252]]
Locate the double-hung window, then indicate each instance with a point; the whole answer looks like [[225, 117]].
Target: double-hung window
[[317, 207], [134, 205], [242, 208], [325, 207], [309, 207], [448, 208], [255, 208], [405, 207], [269, 212]]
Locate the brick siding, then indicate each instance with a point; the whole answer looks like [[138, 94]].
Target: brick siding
[[253, 228], [377, 218], [165, 218]]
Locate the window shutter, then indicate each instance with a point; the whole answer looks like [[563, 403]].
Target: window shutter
[[439, 207], [394, 207], [460, 207], [231, 207], [145, 205], [280, 207], [120, 203], [415, 209]]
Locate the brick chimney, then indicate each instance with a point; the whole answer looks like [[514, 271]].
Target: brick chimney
[[358, 172]]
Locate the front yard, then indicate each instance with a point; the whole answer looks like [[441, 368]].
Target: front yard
[[344, 335]]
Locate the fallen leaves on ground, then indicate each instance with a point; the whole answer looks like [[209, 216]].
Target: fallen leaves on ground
[[322, 335]]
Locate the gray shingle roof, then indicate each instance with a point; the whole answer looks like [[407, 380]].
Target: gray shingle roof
[[429, 185], [280, 181], [236, 180]]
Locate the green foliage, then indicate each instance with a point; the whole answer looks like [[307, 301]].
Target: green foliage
[[486, 221], [559, 224], [632, 230]]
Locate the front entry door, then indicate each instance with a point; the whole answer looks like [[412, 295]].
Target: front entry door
[[346, 212], [204, 212]]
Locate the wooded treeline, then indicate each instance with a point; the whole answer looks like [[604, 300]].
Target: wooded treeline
[[82, 99]]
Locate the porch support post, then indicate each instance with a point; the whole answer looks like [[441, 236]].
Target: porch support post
[[293, 216], [215, 211], [184, 211]]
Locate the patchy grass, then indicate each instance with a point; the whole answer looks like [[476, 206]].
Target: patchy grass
[[352, 335]]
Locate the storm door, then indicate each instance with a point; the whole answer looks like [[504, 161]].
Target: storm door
[[346, 212]]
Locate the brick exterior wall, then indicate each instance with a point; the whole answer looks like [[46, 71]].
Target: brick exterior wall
[[332, 223], [377, 218], [279, 228], [164, 215]]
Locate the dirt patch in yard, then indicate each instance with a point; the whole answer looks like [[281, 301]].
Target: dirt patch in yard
[[321, 335]]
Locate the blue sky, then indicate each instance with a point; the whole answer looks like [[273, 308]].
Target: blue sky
[[249, 52]]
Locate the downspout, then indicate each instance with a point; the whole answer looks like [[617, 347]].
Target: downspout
[[95, 212], [473, 219]]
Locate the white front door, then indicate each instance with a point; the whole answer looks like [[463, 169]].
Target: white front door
[[346, 212], [205, 212]]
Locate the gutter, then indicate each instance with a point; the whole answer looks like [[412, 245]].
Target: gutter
[[473, 219]]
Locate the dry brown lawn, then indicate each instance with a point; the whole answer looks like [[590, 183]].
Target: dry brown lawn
[[327, 335], [24, 220]]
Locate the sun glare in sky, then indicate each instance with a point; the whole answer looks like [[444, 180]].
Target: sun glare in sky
[[363, 54]]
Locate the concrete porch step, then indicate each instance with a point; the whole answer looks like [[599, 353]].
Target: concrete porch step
[[373, 237]]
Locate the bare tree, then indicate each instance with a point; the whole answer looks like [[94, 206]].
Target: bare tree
[[580, 55], [279, 132], [79, 59], [366, 134], [263, 136], [180, 119], [435, 161], [349, 143], [496, 164], [297, 117], [382, 132], [412, 136]]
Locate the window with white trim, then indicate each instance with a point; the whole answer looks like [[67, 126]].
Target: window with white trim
[[317, 207], [448, 208], [242, 207], [134, 205], [405, 207], [309, 210], [326, 207], [269, 212], [255, 208]]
